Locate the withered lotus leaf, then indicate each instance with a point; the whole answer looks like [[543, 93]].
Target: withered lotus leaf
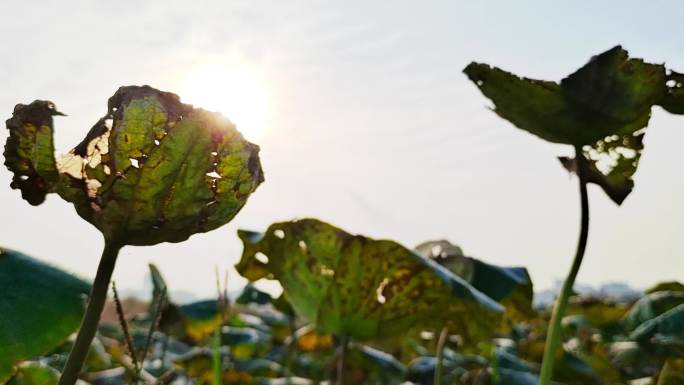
[[355, 286], [151, 170], [602, 108]]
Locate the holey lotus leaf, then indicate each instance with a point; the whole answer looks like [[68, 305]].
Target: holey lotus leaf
[[354, 286], [151, 170], [602, 108]]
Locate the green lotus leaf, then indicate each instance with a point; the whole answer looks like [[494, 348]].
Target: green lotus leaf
[[510, 286], [191, 322], [284, 381], [260, 367], [666, 286], [350, 285], [669, 323], [601, 108], [502, 376], [651, 306], [516, 377], [602, 315], [364, 364], [570, 368], [40, 306], [508, 360], [250, 294], [151, 170], [245, 342], [611, 95]]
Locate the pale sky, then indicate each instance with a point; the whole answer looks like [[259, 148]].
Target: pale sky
[[365, 120]]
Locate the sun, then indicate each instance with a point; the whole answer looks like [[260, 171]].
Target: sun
[[234, 91]]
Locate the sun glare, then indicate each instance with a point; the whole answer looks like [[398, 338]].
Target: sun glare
[[234, 91]]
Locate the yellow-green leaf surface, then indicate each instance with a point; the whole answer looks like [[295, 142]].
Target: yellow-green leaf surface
[[363, 288], [29, 150], [602, 108], [34, 373], [40, 306], [151, 170]]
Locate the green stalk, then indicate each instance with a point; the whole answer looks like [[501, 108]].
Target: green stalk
[[216, 357], [553, 337], [216, 361], [664, 373], [91, 319], [440, 355], [344, 342], [496, 373]]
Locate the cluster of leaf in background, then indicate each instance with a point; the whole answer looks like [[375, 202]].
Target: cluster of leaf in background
[[354, 310], [257, 339]]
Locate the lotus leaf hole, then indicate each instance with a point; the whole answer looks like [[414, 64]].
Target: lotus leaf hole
[[426, 335], [437, 250], [671, 83], [109, 123], [279, 234], [302, 245], [214, 175], [261, 257], [480, 83], [156, 142], [134, 162], [326, 271], [24, 177], [456, 339], [379, 291], [214, 153]]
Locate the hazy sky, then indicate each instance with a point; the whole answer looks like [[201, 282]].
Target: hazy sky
[[369, 124]]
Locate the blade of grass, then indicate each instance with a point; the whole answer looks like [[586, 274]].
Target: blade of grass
[[159, 303], [344, 342], [440, 355], [216, 357], [124, 327]]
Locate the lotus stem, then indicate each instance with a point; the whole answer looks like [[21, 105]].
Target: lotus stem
[[344, 342], [553, 337], [216, 357], [98, 295], [440, 355], [664, 373]]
